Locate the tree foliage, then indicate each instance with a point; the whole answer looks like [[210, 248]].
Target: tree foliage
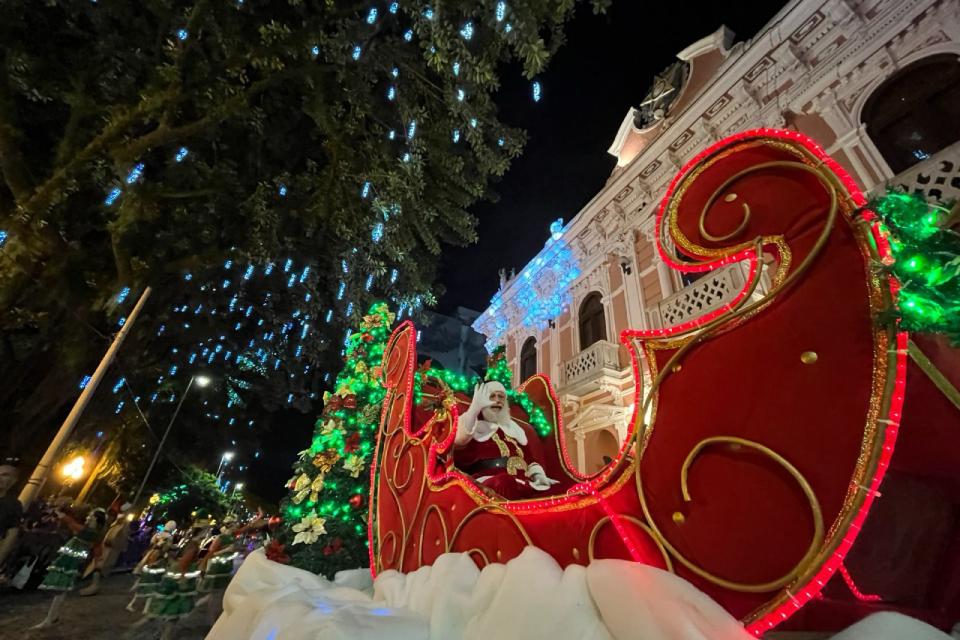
[[140, 140]]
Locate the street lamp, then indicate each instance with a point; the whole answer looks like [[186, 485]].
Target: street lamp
[[237, 487], [225, 458], [201, 381], [73, 470]]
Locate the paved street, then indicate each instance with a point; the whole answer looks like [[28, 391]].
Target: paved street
[[101, 617]]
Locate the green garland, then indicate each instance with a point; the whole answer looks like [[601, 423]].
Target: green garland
[[498, 370], [926, 262]]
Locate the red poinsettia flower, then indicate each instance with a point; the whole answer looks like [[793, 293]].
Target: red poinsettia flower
[[275, 551], [352, 443], [333, 547], [350, 402]]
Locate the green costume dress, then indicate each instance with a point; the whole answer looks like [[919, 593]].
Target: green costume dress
[[150, 578], [176, 594], [63, 574], [219, 567]]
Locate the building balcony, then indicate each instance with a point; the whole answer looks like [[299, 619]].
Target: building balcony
[[707, 294], [582, 373], [937, 178]]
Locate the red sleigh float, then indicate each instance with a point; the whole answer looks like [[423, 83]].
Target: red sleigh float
[[754, 455]]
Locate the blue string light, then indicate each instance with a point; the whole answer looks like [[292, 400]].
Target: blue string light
[[293, 278], [283, 190], [188, 276], [315, 51], [391, 93], [406, 157], [394, 274], [473, 122], [357, 50], [456, 68], [365, 190], [345, 266], [428, 13], [556, 229], [182, 34], [391, 135], [249, 272], [349, 309], [119, 385], [329, 315], [395, 72], [408, 35], [466, 31], [228, 264], [122, 321], [501, 11], [461, 94], [411, 130], [119, 407], [456, 135], [377, 233], [122, 296], [372, 15], [394, 7], [112, 196], [182, 153], [507, 28], [287, 265], [269, 269], [303, 276], [501, 142], [84, 382], [369, 282], [536, 91], [341, 290]]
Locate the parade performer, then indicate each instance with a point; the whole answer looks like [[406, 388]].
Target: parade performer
[[63, 573], [153, 564], [175, 597], [499, 453], [218, 569], [115, 542]]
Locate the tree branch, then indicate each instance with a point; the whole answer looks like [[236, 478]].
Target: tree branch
[[12, 163]]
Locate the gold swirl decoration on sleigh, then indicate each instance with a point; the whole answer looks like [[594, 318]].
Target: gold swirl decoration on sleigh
[[422, 506]]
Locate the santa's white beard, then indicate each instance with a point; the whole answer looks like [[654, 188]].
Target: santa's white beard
[[498, 416]]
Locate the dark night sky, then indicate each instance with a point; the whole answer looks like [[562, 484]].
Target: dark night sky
[[606, 66]]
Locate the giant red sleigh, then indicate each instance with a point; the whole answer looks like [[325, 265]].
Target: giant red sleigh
[[770, 423]]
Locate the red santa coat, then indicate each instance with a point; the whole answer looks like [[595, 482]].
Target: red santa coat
[[469, 458]]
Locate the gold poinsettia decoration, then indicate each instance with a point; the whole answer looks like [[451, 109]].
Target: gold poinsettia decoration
[[329, 426], [309, 489], [325, 460], [353, 464], [309, 529]]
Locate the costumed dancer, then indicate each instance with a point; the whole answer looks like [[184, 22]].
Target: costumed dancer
[[115, 542], [153, 564], [500, 454], [175, 597], [63, 573], [217, 568]]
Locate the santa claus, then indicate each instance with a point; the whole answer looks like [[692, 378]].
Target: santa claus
[[500, 454]]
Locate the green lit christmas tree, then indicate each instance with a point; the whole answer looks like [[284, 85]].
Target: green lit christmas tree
[[926, 262], [326, 511]]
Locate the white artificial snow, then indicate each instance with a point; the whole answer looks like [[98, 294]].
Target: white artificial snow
[[528, 598]]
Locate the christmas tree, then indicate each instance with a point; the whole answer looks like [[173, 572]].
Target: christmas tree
[[326, 511]]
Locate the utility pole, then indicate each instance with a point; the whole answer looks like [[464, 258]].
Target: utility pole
[[42, 471]]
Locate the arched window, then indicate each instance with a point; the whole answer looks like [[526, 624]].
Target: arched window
[[528, 358], [593, 324], [915, 112]]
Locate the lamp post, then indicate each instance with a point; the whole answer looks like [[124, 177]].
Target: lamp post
[[201, 381], [225, 458]]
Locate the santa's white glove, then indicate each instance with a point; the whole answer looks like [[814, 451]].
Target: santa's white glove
[[469, 424], [538, 479]]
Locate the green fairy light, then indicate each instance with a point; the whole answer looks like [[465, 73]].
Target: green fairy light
[[926, 262]]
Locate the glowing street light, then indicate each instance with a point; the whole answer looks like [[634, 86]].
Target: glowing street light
[[73, 470], [202, 380]]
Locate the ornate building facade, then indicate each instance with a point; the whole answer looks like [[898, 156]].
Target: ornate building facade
[[875, 82]]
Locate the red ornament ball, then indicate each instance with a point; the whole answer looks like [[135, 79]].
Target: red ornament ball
[[356, 501]]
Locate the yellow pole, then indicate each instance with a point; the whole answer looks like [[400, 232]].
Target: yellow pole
[[42, 471]]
